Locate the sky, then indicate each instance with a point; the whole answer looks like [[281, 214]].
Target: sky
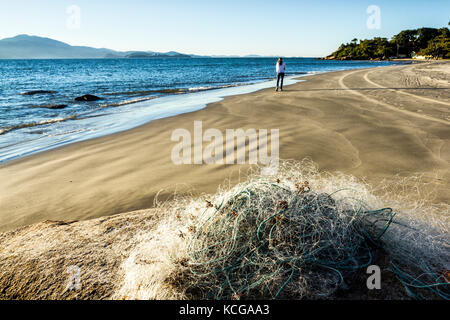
[[210, 27]]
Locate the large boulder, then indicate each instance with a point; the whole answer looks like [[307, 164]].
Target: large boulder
[[88, 97], [30, 93], [51, 106]]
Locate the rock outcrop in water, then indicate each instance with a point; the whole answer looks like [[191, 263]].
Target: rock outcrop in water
[[88, 97], [33, 92], [51, 106]]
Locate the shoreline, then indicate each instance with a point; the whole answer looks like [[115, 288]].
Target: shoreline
[[65, 128], [291, 80], [336, 118], [178, 106]]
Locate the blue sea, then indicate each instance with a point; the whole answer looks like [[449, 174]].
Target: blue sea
[[132, 92]]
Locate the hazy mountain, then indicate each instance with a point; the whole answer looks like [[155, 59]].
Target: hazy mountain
[[149, 55], [33, 47]]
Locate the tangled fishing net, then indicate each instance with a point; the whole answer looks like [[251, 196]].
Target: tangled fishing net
[[298, 234]]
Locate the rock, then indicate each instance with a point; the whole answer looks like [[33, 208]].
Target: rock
[[30, 93], [96, 248], [88, 97], [51, 106], [331, 57]]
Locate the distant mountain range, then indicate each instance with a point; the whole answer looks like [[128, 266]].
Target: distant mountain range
[[33, 47]]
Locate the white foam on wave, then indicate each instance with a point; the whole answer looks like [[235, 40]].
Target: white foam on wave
[[126, 102], [35, 124]]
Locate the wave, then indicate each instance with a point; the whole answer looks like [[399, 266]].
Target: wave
[[173, 90], [297, 73], [123, 103], [158, 93], [197, 89], [145, 92], [161, 92], [153, 95], [34, 124]]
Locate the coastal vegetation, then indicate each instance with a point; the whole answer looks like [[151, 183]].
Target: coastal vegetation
[[426, 42]]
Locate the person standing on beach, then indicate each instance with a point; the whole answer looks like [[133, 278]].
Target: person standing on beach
[[281, 69]]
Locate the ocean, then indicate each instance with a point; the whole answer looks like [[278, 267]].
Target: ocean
[[132, 92]]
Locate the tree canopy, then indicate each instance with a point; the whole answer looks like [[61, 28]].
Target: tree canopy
[[423, 41]]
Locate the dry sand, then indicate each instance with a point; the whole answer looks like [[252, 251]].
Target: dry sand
[[40, 261], [372, 123]]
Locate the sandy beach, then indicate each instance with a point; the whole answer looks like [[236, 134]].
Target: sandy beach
[[371, 123], [374, 124]]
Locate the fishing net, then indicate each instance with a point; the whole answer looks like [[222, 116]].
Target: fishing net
[[277, 240], [299, 234]]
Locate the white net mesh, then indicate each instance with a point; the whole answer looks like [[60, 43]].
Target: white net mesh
[[297, 234]]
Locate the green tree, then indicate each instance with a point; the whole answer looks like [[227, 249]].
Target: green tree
[[426, 41], [404, 41], [439, 47], [423, 36]]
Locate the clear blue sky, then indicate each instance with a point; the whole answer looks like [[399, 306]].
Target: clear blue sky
[[285, 28]]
